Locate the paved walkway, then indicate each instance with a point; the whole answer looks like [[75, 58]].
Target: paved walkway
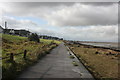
[[57, 64]]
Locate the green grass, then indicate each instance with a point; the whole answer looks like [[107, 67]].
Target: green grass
[[13, 39], [72, 57], [46, 41], [17, 39], [57, 42], [17, 45], [75, 63]]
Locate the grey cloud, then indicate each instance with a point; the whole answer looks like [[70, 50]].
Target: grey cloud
[[99, 3], [82, 15], [101, 15], [41, 4], [43, 31], [106, 33], [59, 0], [28, 25], [54, 4], [67, 13], [19, 24]]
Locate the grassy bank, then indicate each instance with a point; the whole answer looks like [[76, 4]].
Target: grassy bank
[[17, 45], [102, 63], [49, 41]]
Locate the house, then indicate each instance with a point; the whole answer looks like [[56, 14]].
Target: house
[[6, 31], [24, 33], [12, 31]]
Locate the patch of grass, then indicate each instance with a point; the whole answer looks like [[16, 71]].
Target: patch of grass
[[12, 38], [46, 41], [75, 63], [57, 42], [49, 41], [72, 57], [102, 66]]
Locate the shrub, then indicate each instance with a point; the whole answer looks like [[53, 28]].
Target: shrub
[[97, 52], [34, 37]]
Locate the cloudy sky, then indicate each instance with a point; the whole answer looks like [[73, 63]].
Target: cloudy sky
[[85, 21]]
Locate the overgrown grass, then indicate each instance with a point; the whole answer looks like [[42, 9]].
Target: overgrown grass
[[101, 65], [13, 39], [17, 45]]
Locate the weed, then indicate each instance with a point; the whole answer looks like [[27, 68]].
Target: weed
[[74, 63], [72, 57]]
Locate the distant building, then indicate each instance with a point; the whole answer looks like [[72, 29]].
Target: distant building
[[21, 32], [24, 33], [12, 31], [49, 37]]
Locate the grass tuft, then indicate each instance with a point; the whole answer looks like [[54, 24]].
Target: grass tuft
[[74, 63], [72, 57]]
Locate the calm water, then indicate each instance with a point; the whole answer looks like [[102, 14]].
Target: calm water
[[109, 45]]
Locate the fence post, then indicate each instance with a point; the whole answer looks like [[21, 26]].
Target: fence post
[[25, 52], [11, 56]]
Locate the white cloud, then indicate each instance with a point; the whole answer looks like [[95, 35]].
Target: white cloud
[[79, 21], [69, 14], [19, 24], [92, 33], [83, 15], [28, 25]]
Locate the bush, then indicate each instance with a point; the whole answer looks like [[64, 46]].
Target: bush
[[34, 37]]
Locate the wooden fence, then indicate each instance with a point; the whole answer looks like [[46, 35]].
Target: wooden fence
[[11, 55]]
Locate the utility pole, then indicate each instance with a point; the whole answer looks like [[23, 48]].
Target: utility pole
[[5, 25]]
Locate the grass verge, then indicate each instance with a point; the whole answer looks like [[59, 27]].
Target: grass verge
[[102, 63], [17, 45]]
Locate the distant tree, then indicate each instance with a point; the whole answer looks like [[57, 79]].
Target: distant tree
[[34, 37]]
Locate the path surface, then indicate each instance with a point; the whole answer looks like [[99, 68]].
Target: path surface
[[57, 64]]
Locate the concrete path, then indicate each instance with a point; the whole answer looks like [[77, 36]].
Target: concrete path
[[57, 64]]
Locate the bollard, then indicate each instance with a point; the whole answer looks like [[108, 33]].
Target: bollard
[[11, 56], [25, 52]]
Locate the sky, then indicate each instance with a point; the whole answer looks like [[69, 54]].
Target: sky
[[80, 21]]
